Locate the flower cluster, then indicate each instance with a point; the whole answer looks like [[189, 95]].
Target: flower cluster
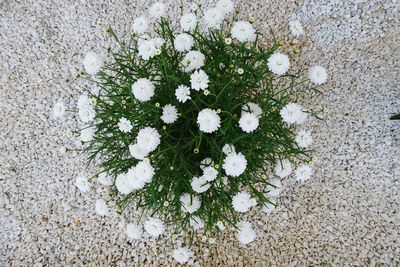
[[197, 123]]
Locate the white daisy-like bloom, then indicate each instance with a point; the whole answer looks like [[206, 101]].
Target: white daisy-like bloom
[[122, 184], [317, 75], [105, 179], [87, 114], [193, 60], [213, 18], [268, 207], [182, 93], [143, 89], [148, 138], [182, 254], [276, 190], [283, 168], [234, 164], [102, 208], [221, 225], [82, 183], [154, 227], [210, 173], [296, 28], [242, 202], [303, 172], [293, 113], [92, 63], [138, 152], [140, 25], [304, 139], [144, 171], [87, 134], [188, 22], [190, 203], [196, 222], [157, 10], [134, 231], [58, 110], [248, 122], [199, 80], [228, 148], [200, 184], [124, 125], [147, 49], [183, 42], [206, 162], [246, 233], [243, 31], [208, 120], [170, 114], [252, 108], [278, 63], [158, 42], [225, 6], [135, 181]]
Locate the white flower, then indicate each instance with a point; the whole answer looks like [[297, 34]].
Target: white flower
[[283, 168], [92, 63], [221, 225], [87, 134], [199, 80], [234, 164], [140, 25], [105, 179], [243, 31], [206, 162], [58, 110], [246, 233], [210, 173], [252, 108], [188, 22], [208, 120], [143, 171], [293, 113], [148, 138], [193, 60], [248, 122], [225, 6], [268, 207], [158, 42], [122, 184], [182, 254], [138, 152], [196, 222], [228, 148], [242, 202], [102, 208], [213, 18], [143, 89], [147, 49], [303, 172], [183, 42], [317, 75], [190, 203], [278, 63], [154, 227], [87, 114], [82, 183], [296, 28], [200, 184], [133, 231], [304, 139], [124, 125], [182, 93], [170, 114], [157, 10], [276, 190]]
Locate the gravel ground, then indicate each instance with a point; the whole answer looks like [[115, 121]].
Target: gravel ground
[[347, 214]]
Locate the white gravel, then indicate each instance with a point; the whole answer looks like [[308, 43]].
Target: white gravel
[[347, 214]]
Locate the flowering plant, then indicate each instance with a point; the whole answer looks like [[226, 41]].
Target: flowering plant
[[190, 123]]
